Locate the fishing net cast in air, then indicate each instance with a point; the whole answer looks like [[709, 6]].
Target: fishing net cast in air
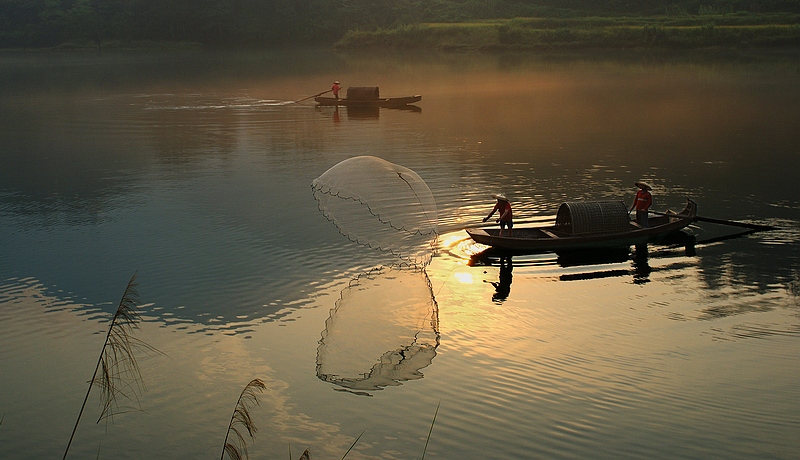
[[381, 205], [383, 331]]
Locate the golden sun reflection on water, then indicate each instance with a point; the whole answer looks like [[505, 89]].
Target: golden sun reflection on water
[[464, 277], [568, 328]]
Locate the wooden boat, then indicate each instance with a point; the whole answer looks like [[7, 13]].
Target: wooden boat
[[591, 224], [388, 102], [367, 96]]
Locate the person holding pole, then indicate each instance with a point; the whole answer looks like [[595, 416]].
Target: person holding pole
[[642, 203], [506, 217], [335, 88]]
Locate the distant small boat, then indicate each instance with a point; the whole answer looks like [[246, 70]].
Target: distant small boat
[[368, 96], [590, 224]]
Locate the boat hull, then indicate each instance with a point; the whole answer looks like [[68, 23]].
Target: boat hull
[[536, 239], [388, 102]]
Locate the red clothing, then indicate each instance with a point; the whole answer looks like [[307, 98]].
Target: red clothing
[[504, 207], [643, 200], [335, 89]]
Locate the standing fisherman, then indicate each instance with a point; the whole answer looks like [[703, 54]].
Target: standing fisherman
[[335, 88], [642, 203], [506, 217]]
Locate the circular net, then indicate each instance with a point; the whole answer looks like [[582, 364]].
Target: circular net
[[381, 205]]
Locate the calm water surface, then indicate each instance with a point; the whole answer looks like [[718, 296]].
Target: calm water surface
[[194, 171]]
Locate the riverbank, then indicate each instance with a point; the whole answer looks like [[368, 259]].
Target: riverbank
[[665, 32], [111, 46]]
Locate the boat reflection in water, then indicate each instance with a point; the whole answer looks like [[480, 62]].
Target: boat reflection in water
[[382, 332], [638, 256], [676, 244], [363, 112]]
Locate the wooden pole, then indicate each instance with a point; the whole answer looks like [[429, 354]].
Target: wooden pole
[[494, 224], [735, 224], [315, 95], [732, 223]]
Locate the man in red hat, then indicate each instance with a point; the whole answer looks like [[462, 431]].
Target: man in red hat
[[506, 217], [642, 202]]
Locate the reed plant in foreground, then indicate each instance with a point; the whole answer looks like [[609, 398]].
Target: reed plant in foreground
[[430, 431], [242, 421], [351, 445], [306, 455], [117, 370]]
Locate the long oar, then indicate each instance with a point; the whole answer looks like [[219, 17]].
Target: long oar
[[315, 95], [494, 224], [735, 224], [732, 223], [727, 237]]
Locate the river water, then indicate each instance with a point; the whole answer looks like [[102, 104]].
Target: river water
[[194, 170]]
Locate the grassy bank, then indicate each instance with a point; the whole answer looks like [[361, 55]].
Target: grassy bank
[[681, 32]]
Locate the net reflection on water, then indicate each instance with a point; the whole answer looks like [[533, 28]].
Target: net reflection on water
[[382, 332]]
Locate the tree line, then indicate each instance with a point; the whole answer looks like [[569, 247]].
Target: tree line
[[47, 23]]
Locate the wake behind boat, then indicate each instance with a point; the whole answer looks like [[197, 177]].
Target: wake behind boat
[[368, 96], [590, 224]]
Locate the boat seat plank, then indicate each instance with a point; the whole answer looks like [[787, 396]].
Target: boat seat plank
[[548, 233]]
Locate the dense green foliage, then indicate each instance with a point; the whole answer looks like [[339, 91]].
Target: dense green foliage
[[697, 31], [43, 23]]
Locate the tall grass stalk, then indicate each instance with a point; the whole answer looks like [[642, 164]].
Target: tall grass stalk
[[117, 371], [353, 445], [431, 430], [242, 421]]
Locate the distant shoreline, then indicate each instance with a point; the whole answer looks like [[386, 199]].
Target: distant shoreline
[[715, 34], [737, 31], [111, 46]]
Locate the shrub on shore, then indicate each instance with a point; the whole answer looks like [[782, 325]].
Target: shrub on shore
[[700, 31]]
